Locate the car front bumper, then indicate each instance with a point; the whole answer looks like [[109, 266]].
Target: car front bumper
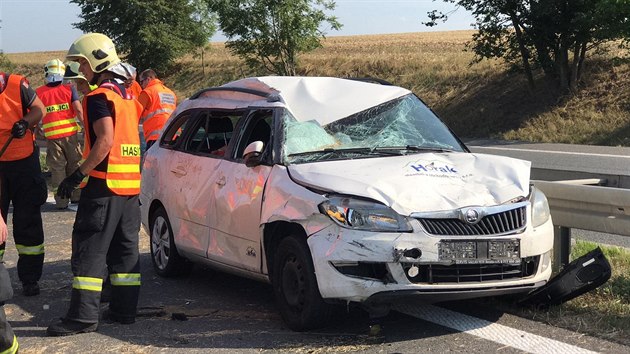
[[364, 266]]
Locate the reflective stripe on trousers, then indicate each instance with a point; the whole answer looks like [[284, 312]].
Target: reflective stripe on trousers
[[13, 348], [87, 283], [125, 279], [30, 250]]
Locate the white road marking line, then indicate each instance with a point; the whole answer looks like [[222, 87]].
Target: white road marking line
[[514, 338], [549, 151]]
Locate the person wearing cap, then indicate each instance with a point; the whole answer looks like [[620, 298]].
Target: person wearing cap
[[158, 102], [107, 223], [60, 126], [23, 184]]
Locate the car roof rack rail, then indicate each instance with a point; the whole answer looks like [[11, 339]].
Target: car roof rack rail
[[269, 96], [372, 80]]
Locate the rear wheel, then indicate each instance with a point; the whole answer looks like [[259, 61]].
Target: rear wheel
[[295, 287], [166, 260]]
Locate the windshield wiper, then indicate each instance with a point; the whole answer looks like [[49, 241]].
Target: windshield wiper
[[379, 150], [357, 150], [416, 148]]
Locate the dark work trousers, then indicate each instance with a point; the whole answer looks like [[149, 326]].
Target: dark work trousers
[[105, 232], [8, 343], [24, 186]]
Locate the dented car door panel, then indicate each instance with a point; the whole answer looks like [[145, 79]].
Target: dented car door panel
[[236, 215]]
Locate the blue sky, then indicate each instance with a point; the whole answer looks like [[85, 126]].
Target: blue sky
[[45, 25]]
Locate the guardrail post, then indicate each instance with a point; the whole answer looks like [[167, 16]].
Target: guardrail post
[[561, 247]]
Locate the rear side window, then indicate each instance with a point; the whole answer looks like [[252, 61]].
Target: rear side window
[[202, 131]]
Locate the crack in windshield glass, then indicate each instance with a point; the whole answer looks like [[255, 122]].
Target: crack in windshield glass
[[401, 126]]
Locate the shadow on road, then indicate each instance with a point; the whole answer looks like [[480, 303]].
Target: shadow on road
[[204, 311]]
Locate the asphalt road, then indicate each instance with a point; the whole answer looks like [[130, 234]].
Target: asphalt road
[[208, 312]]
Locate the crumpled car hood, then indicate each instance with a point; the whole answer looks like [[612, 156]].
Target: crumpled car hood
[[422, 182]]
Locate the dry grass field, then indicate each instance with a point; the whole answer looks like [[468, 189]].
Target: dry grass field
[[483, 100]]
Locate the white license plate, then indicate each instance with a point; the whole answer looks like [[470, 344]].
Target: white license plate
[[480, 251]]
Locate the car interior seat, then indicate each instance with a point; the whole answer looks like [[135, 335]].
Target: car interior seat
[[226, 127]]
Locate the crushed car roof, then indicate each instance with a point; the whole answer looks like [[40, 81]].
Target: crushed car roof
[[323, 99]]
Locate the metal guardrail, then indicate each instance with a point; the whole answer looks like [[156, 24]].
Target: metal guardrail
[[578, 204]]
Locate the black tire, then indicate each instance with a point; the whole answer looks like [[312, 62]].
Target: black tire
[[166, 260], [295, 287]]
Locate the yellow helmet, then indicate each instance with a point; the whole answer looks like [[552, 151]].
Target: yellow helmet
[[72, 71], [54, 70], [97, 49]]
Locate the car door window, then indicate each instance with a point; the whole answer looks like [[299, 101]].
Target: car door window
[[198, 136], [258, 128]]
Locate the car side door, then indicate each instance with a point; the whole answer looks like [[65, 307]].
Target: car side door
[[239, 196], [193, 171]]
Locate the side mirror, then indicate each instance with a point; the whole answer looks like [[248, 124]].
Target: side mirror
[[252, 153]]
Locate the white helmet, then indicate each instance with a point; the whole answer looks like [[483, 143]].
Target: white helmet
[[54, 70], [124, 70]]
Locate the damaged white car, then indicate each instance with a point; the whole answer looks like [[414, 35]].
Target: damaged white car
[[336, 191]]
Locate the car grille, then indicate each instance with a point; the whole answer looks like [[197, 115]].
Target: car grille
[[472, 273], [500, 223]]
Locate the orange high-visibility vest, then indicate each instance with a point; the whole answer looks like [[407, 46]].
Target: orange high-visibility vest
[[162, 103], [59, 121], [11, 112], [123, 162], [135, 89]]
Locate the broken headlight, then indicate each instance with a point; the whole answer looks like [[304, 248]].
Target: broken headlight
[[364, 215], [540, 207]]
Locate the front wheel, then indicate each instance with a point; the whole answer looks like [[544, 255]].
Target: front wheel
[[295, 287], [166, 260]]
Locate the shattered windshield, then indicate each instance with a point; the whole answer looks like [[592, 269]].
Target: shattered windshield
[[401, 126]]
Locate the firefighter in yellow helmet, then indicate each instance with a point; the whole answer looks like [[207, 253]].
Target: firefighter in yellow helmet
[[60, 126], [108, 217], [73, 74]]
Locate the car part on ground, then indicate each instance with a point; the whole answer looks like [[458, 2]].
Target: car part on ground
[[584, 274]]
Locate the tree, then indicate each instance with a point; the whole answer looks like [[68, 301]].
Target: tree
[[269, 34], [554, 35], [151, 33]]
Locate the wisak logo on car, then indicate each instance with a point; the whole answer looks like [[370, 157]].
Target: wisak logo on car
[[433, 168]]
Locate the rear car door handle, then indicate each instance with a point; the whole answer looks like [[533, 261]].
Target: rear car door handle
[[221, 181]]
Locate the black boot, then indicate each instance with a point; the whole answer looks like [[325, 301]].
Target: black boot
[[112, 317], [65, 327], [30, 288]]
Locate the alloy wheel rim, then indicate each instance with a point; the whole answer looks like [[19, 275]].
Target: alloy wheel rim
[[160, 242]]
